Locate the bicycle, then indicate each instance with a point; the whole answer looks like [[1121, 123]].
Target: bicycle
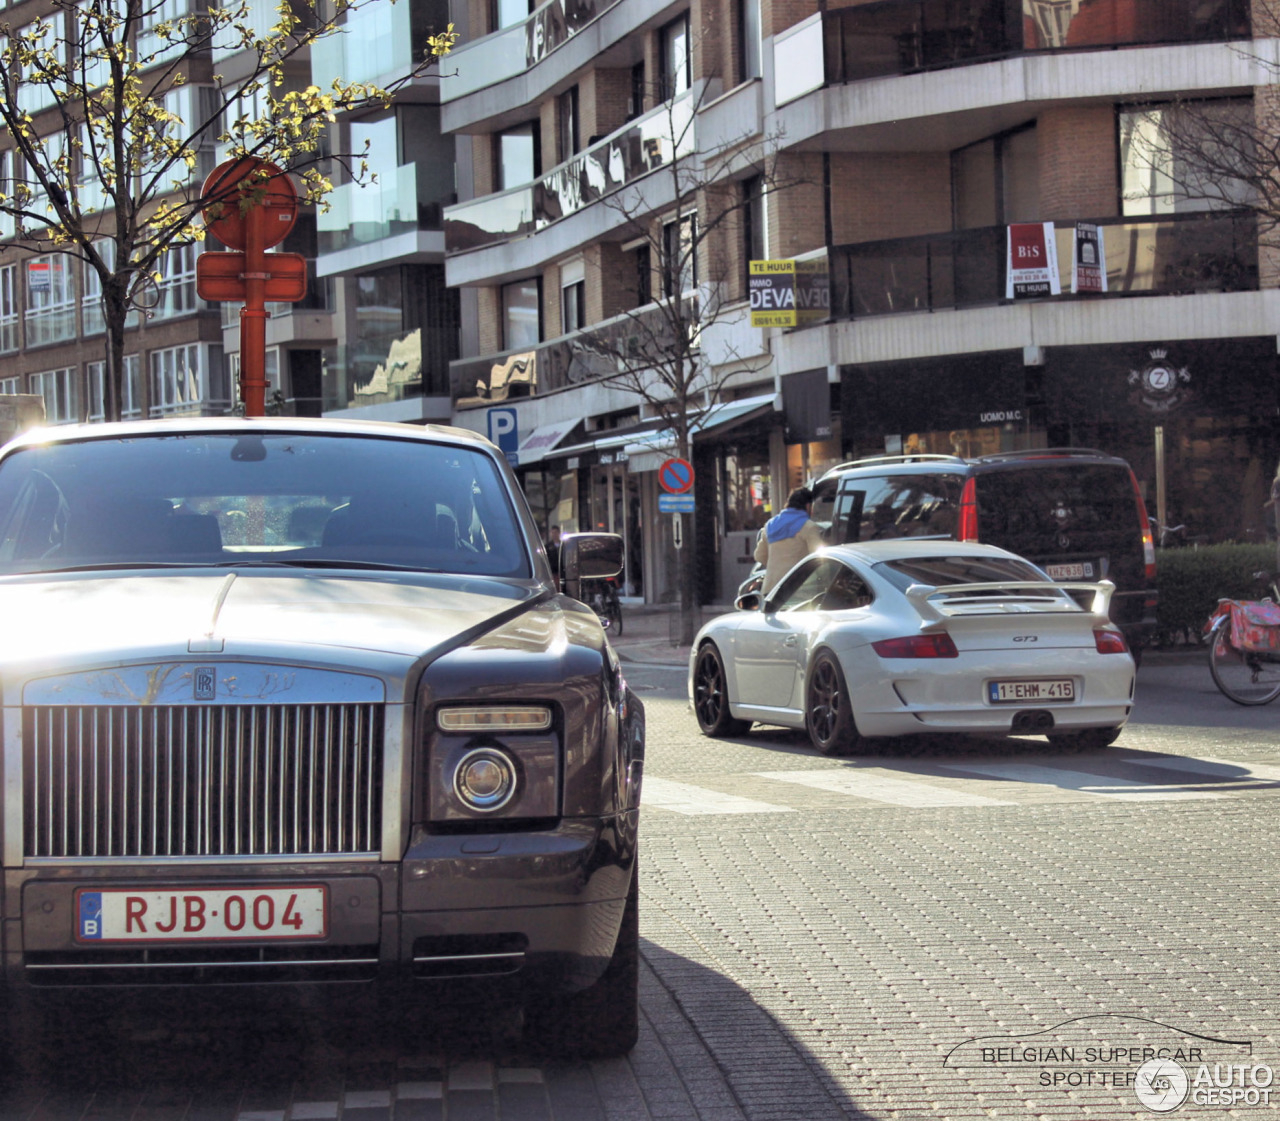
[[602, 598], [1244, 647]]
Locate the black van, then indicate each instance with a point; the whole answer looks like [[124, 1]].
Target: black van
[[1076, 513]]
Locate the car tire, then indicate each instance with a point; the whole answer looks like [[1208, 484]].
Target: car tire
[[1092, 739], [828, 711], [603, 1020], [711, 696]]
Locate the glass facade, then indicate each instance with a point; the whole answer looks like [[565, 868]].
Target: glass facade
[[8, 308], [377, 41]]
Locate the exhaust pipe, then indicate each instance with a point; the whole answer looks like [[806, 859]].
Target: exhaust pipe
[[1032, 722]]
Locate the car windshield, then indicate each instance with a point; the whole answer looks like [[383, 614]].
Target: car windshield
[[943, 571], [257, 498]]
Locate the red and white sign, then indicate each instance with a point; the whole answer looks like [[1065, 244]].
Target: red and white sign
[[1089, 272], [202, 914], [1032, 265]]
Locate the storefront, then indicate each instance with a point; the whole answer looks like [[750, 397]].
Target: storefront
[[1197, 420]]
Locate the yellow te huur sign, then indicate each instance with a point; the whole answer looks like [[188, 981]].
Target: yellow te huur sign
[[788, 293]]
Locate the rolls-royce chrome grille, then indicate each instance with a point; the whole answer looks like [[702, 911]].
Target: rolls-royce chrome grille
[[115, 781]]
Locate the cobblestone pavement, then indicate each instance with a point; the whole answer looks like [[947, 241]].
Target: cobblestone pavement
[[886, 937]]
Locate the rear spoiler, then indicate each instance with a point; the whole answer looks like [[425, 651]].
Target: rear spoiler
[[921, 595]]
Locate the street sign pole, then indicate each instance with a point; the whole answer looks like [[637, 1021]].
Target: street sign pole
[[253, 317]]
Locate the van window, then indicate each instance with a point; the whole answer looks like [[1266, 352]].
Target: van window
[[886, 506], [1049, 510]]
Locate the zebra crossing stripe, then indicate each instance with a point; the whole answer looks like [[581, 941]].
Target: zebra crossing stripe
[[683, 798], [1103, 786], [878, 788], [1213, 769]]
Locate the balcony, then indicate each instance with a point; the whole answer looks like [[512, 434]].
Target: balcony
[[397, 204], [1149, 257], [378, 42], [644, 145], [898, 37]]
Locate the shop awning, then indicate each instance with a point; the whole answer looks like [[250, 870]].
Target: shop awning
[[544, 439], [728, 413]]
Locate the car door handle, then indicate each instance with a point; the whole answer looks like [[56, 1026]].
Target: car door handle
[[791, 640]]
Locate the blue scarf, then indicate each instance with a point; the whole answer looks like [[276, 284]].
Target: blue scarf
[[784, 525]]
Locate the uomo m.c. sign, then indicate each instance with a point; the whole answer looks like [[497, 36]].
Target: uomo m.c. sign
[[1000, 417]]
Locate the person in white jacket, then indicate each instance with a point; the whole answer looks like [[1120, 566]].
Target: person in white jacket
[[787, 538]]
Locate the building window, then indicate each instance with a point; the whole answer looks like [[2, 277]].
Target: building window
[[10, 385], [51, 306], [755, 239], [61, 392], [177, 381], [573, 297], [521, 315], [518, 158], [635, 101], [567, 124], [1172, 159], [8, 308], [996, 181], [643, 277], [748, 40], [7, 224], [38, 87], [132, 389], [679, 256], [507, 13], [177, 269], [675, 58]]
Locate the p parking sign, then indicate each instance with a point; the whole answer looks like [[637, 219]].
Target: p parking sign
[[505, 432]]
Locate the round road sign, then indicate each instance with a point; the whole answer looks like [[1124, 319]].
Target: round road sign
[[675, 476], [231, 184]]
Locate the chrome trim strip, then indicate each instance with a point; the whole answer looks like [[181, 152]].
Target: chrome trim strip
[[285, 962], [247, 861], [471, 957]]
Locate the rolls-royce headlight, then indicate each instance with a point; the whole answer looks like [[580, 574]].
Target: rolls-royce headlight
[[494, 718], [485, 779]]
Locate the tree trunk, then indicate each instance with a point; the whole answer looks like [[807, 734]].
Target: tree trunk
[[115, 310]]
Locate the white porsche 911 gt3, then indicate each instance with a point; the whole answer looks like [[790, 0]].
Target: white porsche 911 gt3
[[895, 638]]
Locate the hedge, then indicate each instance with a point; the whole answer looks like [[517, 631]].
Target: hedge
[[1192, 580]]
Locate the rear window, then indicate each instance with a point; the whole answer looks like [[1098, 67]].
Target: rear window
[[943, 571], [881, 507], [1047, 510]]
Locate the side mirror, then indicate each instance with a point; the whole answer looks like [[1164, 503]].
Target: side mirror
[[588, 556], [749, 601]]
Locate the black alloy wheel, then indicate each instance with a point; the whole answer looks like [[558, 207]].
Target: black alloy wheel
[[711, 696], [828, 713]]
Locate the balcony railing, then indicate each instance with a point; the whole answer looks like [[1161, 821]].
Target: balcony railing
[[966, 268], [908, 36], [359, 214], [378, 40], [644, 145]]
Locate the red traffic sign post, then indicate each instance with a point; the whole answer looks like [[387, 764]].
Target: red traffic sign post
[[250, 205], [675, 476], [220, 277]]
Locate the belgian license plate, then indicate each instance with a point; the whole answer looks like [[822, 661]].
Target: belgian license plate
[[1080, 571], [202, 913], [1017, 692]]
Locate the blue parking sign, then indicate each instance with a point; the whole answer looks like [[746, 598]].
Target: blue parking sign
[[504, 431]]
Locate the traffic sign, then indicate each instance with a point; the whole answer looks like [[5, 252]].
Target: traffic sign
[[675, 476], [220, 277], [675, 504], [238, 185]]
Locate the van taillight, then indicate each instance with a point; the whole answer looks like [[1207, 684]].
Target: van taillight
[[968, 528], [1148, 542]]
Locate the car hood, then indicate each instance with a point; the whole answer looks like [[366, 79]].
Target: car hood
[[74, 617]]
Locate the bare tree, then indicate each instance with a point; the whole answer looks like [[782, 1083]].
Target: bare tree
[[689, 216], [105, 152]]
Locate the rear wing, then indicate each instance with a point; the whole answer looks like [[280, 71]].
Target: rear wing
[[923, 596]]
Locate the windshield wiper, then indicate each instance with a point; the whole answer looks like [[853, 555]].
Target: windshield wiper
[[323, 562]]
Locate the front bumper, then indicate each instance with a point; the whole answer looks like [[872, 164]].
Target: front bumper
[[532, 910]]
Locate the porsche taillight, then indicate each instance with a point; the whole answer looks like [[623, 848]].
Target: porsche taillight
[[938, 645], [968, 527], [1109, 640], [1144, 525]]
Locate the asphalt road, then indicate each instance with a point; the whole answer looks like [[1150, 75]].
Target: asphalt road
[[990, 930]]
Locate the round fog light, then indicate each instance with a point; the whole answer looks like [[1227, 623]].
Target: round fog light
[[484, 779]]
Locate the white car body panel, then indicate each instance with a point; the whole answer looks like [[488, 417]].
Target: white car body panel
[[767, 655]]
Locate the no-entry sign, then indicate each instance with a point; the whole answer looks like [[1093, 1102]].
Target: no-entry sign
[[675, 476]]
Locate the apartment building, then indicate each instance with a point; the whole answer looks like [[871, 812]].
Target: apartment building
[[912, 143]]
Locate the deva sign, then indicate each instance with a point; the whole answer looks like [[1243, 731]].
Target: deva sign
[[788, 293]]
